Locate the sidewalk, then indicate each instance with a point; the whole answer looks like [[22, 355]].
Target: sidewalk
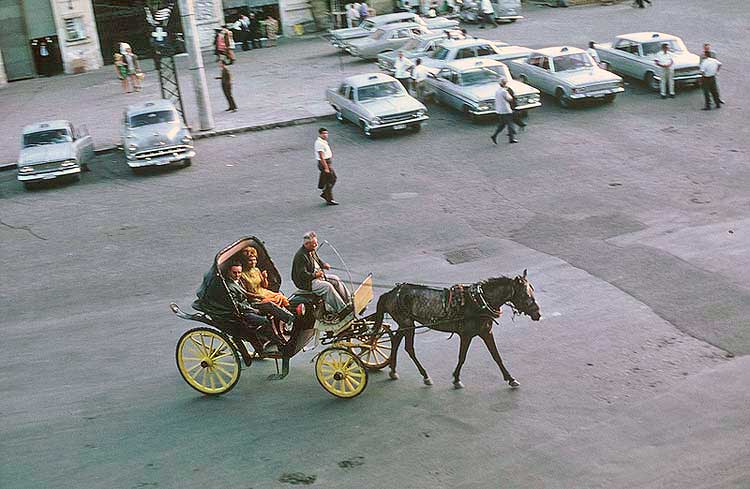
[[272, 86]]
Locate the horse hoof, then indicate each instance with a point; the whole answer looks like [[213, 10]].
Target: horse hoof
[[458, 385], [427, 381], [514, 383], [393, 376]]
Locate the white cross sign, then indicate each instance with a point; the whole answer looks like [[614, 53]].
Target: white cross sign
[[159, 34]]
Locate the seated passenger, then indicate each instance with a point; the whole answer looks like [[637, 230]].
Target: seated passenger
[[307, 274], [255, 281], [240, 297]]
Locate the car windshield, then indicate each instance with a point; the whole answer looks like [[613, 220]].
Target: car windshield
[[441, 53], [368, 25], [378, 34], [156, 117], [479, 76], [571, 62], [651, 48], [380, 90], [53, 136]]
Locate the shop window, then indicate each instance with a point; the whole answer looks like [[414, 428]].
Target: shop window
[[74, 29]]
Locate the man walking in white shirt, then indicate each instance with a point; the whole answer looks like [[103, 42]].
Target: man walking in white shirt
[[488, 13], [665, 61], [504, 111], [327, 178], [710, 67], [402, 67], [419, 74]]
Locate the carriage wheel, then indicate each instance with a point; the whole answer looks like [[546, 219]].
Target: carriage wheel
[[374, 350], [341, 372], [208, 361]]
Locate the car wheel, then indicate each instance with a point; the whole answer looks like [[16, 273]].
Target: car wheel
[[651, 81], [339, 115], [562, 100], [366, 129], [187, 162]]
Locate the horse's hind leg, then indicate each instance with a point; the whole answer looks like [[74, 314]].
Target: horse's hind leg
[[394, 352], [489, 340], [465, 342], [409, 346]]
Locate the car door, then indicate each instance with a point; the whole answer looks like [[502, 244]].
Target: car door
[[441, 81], [626, 60], [348, 109], [531, 71], [453, 91]]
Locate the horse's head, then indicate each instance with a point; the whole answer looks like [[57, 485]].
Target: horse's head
[[523, 297]]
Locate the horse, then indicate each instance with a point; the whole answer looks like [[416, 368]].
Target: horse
[[468, 310]]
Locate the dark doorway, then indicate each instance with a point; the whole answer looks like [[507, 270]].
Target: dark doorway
[[47, 58], [122, 21]]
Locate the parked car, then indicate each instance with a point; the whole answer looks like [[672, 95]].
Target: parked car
[[634, 55], [376, 102], [469, 86], [474, 48], [507, 10], [53, 149], [340, 36], [568, 74], [153, 134], [387, 38], [417, 47]]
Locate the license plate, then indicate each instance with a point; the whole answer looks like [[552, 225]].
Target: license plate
[[399, 126]]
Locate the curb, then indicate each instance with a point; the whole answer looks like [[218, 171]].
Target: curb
[[219, 132]]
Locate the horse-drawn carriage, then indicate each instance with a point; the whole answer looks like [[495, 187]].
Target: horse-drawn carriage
[[210, 357]]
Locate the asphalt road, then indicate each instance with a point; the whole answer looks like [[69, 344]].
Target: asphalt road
[[632, 219]]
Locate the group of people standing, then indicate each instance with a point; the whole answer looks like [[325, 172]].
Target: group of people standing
[[411, 73], [127, 68], [357, 13]]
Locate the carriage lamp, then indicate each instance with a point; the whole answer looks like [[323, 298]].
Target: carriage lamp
[[68, 163]]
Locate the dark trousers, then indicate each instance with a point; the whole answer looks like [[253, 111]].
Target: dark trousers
[[505, 120], [245, 40], [227, 89], [255, 37], [710, 89], [326, 181], [274, 311]]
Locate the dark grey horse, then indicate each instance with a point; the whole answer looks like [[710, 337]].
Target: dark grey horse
[[467, 310]]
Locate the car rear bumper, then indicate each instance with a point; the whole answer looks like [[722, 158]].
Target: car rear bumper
[[48, 175], [161, 160]]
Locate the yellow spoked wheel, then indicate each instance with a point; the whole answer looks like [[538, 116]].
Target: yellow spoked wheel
[[374, 350], [341, 372], [208, 361]]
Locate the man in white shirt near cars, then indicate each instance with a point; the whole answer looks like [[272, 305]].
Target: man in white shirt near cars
[[504, 111], [402, 67], [665, 61], [327, 178], [488, 13], [710, 67], [419, 74]]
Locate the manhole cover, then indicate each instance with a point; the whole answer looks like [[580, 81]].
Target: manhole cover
[[464, 255]]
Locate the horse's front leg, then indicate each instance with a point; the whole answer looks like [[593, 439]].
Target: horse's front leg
[[465, 342], [489, 341], [409, 346], [394, 352]]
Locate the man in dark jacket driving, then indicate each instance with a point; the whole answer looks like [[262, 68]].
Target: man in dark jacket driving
[[308, 274]]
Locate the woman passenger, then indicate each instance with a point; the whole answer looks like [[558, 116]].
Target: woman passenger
[[255, 281]]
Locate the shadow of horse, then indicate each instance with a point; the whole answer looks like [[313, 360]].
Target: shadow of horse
[[467, 310]]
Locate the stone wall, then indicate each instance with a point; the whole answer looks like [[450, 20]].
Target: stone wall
[[79, 53]]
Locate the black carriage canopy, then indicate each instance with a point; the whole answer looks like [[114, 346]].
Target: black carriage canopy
[[213, 295]]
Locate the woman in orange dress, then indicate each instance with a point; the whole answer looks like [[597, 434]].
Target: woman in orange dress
[[255, 282]]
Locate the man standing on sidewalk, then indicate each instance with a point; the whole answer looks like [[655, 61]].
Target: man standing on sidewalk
[[226, 85], [665, 61], [710, 67], [327, 178], [504, 111]]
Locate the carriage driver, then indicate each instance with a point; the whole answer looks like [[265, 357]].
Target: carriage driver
[[308, 274]]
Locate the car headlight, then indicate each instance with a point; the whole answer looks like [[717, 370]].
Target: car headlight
[[132, 147], [68, 163], [483, 107], [187, 139], [533, 98], [421, 113], [377, 120], [579, 90], [25, 169]]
